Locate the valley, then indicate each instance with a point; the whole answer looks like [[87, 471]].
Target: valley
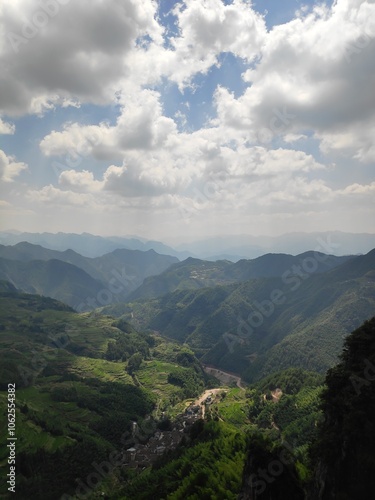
[[185, 376]]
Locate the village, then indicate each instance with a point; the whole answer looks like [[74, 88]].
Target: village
[[142, 455]]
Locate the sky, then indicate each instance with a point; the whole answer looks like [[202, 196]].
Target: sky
[[179, 121]]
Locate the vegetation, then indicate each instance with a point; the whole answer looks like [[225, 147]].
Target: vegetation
[[73, 405], [305, 328], [208, 466], [344, 451], [86, 381], [82, 282]]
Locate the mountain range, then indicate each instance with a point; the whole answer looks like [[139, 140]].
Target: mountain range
[[82, 282], [265, 324], [251, 317], [231, 247], [196, 273]]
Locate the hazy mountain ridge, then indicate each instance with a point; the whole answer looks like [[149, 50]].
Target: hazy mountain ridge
[[195, 273], [52, 278], [88, 245], [306, 328], [231, 247], [106, 279]]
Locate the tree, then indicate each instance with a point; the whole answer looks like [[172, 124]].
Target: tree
[[134, 363]]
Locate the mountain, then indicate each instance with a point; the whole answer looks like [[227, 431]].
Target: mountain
[[230, 247], [195, 273], [87, 244], [189, 274], [52, 278], [266, 324], [250, 247], [120, 271], [78, 406]]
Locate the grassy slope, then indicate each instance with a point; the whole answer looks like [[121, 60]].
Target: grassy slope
[[72, 405]]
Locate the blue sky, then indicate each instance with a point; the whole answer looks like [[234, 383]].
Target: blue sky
[[182, 120]]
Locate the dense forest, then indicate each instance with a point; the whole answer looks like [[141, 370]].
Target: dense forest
[[86, 381]]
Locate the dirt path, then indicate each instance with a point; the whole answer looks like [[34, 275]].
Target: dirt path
[[202, 397], [224, 377]]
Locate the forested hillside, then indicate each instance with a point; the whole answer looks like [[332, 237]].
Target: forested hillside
[[192, 273], [81, 382], [265, 324], [82, 282]]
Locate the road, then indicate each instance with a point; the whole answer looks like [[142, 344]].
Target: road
[[224, 377]]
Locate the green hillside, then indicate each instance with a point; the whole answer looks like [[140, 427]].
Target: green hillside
[[78, 390], [267, 324], [192, 273], [119, 271], [52, 278]]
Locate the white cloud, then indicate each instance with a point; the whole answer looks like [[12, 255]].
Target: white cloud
[[49, 195], [208, 28], [80, 53], [309, 85], [79, 181], [7, 128], [74, 140], [314, 74], [290, 138], [9, 168]]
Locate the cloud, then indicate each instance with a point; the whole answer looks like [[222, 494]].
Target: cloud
[[78, 52], [7, 128], [9, 168], [88, 51], [306, 101], [314, 74], [79, 181], [75, 140], [208, 28], [49, 195]]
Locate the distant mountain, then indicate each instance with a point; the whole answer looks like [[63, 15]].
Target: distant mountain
[[195, 273], [87, 244], [250, 247], [266, 324], [231, 247], [52, 278], [119, 272]]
